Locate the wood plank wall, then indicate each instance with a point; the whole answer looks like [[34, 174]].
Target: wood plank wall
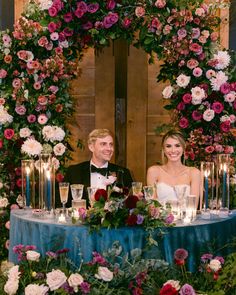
[[93, 94]]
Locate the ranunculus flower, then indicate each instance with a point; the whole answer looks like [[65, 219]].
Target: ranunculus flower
[[187, 98], [104, 274], [100, 193], [9, 133], [225, 126], [132, 220], [208, 115]]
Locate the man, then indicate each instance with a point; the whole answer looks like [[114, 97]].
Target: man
[[96, 172]]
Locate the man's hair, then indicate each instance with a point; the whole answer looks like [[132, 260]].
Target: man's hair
[[98, 133]]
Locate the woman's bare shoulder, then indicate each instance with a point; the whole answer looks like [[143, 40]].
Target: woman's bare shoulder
[[194, 171], [154, 168]]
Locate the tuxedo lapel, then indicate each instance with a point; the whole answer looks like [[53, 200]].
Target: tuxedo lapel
[[86, 174]]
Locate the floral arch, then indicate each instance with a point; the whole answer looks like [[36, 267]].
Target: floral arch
[[40, 57]]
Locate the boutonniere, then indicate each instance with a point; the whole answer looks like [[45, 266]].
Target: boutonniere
[[111, 178]]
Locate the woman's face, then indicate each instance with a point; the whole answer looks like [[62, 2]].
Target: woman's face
[[173, 149]]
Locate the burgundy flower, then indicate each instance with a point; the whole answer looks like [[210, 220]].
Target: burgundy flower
[[132, 220], [98, 258], [68, 17], [168, 289], [180, 106], [111, 4], [225, 88], [196, 115], [68, 32], [225, 126], [217, 107], [206, 257], [100, 193], [85, 287], [131, 201], [93, 7], [52, 27], [180, 256], [187, 98]]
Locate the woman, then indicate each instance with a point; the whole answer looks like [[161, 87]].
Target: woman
[[173, 178]]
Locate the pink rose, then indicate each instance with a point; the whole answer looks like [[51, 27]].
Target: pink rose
[[228, 149], [110, 20], [20, 110], [225, 126], [52, 11], [225, 88], [160, 3], [9, 133], [111, 4], [3, 73], [192, 63], [126, 22], [93, 7], [209, 149], [139, 11], [183, 123]]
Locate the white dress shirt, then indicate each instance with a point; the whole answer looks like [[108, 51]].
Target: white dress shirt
[[96, 179]]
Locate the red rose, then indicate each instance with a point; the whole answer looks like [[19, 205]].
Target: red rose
[[59, 177], [100, 193], [131, 201], [132, 220], [8, 133], [168, 289]]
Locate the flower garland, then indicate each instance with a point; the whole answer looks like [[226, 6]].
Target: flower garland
[[39, 58]]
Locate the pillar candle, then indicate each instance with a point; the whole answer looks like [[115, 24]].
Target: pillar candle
[[206, 189], [48, 190], [27, 186]]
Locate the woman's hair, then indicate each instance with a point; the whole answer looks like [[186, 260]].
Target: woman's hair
[[98, 133], [175, 134]]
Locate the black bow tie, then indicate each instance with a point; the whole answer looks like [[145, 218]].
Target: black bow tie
[[102, 171]]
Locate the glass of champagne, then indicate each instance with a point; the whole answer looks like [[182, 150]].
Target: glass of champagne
[[137, 188], [64, 190]]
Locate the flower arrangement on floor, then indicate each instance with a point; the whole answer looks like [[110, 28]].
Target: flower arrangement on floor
[[114, 272], [114, 209]]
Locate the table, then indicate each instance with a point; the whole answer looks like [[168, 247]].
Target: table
[[203, 236]]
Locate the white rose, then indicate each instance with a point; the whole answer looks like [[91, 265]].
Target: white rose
[[3, 202], [32, 255], [25, 132], [14, 273], [55, 279], [208, 115], [183, 80], [59, 149], [34, 289], [11, 287], [104, 274], [75, 280], [215, 265], [167, 92]]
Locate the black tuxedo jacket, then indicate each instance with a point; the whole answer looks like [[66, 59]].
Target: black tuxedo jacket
[[80, 173]]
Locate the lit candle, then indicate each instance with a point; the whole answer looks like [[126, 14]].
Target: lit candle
[[48, 190], [224, 186], [62, 218], [27, 169], [206, 189]]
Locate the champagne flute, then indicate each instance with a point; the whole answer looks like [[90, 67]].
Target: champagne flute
[[64, 190]]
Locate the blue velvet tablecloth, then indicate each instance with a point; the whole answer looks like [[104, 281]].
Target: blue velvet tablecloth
[[47, 234]]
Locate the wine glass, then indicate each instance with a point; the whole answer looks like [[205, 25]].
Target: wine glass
[[180, 191], [91, 193], [149, 192], [64, 190], [137, 188]]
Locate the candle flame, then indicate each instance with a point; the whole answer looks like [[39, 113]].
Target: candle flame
[[27, 170], [48, 175], [207, 173]]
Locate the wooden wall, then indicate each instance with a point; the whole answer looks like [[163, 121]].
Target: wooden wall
[[94, 96]]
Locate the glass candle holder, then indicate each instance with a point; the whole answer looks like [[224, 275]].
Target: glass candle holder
[[46, 183], [208, 201], [28, 183], [222, 183]]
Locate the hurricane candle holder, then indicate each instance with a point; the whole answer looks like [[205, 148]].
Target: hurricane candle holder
[[208, 201], [222, 184], [46, 183], [28, 183]]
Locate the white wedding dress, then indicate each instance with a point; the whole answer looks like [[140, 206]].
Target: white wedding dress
[[166, 192]]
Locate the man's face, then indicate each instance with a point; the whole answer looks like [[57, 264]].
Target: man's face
[[102, 150]]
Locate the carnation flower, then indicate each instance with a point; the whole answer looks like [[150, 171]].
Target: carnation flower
[[31, 147], [223, 60], [25, 132]]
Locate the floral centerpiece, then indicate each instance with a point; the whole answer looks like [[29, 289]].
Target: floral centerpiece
[[116, 208], [114, 272]]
